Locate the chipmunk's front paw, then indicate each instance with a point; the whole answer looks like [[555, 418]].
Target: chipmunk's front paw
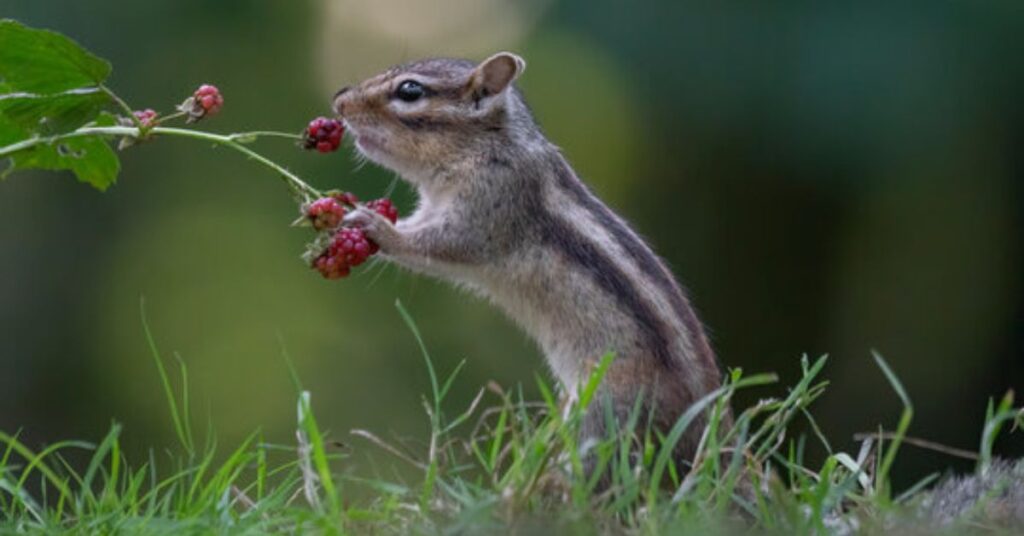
[[377, 228]]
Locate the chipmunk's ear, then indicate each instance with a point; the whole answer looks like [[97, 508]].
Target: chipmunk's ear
[[495, 74]]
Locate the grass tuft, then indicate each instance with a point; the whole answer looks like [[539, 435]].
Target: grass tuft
[[503, 461]]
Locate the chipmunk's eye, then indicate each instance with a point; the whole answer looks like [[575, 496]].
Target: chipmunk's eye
[[410, 90]]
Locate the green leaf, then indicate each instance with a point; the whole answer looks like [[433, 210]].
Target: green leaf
[[41, 61], [105, 119], [10, 132], [54, 113], [90, 158]]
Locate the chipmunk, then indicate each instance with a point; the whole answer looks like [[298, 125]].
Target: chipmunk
[[502, 213]]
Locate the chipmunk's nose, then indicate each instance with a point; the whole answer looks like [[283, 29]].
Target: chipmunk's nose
[[339, 100]]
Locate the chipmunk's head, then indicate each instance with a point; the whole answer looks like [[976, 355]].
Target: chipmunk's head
[[419, 117]]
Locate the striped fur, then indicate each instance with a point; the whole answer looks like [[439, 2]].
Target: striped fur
[[502, 214]]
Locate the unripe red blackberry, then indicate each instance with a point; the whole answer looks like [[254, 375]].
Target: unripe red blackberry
[[208, 97], [325, 213], [350, 245], [324, 134], [206, 100], [385, 208], [146, 117]]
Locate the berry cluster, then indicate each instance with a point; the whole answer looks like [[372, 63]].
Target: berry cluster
[[206, 100], [347, 247], [147, 117], [325, 213], [323, 134]]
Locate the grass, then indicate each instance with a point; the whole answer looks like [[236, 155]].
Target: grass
[[515, 464]]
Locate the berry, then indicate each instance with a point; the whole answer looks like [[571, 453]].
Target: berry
[[325, 213], [146, 117], [208, 98], [331, 267], [351, 246], [205, 100], [385, 208], [348, 248], [324, 134]]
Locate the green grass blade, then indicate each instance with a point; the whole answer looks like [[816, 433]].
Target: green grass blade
[[37, 461], [881, 477], [179, 426], [994, 420], [99, 455], [426, 356], [307, 423]]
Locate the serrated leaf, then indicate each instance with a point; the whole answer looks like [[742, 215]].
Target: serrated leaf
[[90, 158], [54, 113], [41, 61]]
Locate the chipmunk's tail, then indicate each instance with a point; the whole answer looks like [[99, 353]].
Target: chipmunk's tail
[[991, 498]]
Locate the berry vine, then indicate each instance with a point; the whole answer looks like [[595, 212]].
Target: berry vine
[[55, 113]]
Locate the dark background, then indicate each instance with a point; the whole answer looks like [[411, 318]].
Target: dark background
[[824, 179]]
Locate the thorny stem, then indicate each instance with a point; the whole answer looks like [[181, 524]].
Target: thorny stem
[[302, 191]]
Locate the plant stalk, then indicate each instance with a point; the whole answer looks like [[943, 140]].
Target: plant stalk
[[302, 190]]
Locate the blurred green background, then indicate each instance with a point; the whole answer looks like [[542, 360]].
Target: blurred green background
[[824, 178]]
